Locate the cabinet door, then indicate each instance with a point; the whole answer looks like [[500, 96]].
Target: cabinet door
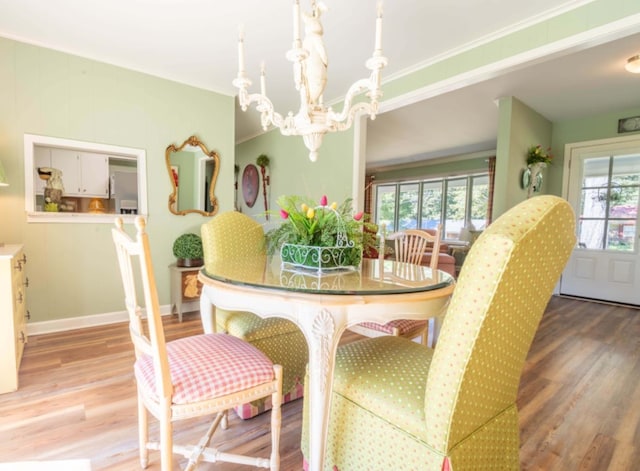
[[94, 172], [67, 161], [41, 158]]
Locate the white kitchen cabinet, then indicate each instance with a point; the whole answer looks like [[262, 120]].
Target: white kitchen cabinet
[[13, 314], [83, 173]]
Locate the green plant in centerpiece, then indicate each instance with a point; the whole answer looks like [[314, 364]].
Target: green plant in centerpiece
[[536, 154], [187, 248], [317, 235]]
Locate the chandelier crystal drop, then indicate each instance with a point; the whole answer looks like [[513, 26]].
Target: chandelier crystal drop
[[309, 56]]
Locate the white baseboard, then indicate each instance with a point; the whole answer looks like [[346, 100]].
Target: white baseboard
[[72, 323]]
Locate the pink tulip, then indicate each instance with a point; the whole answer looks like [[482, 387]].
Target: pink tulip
[[323, 200], [358, 216], [284, 214]]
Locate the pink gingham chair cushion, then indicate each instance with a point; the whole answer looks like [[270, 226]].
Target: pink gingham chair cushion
[[403, 325], [207, 366]]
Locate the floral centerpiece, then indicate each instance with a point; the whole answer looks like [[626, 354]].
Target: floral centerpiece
[[317, 236], [537, 154]]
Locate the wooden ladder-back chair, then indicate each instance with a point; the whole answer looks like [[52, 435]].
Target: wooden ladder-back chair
[[189, 377], [231, 235], [399, 405], [410, 246]]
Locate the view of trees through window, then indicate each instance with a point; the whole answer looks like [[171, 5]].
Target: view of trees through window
[[452, 201], [609, 202]]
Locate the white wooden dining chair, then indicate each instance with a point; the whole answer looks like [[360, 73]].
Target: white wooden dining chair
[[411, 246], [189, 377]]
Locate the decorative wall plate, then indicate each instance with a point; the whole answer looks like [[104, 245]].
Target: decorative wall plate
[[250, 184]]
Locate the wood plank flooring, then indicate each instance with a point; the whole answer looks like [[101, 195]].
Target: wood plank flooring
[[579, 398]]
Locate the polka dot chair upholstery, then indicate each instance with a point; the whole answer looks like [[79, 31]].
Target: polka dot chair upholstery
[[403, 406], [232, 235]]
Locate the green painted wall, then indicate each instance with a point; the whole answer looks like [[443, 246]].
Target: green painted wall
[[292, 173], [519, 128], [72, 268]]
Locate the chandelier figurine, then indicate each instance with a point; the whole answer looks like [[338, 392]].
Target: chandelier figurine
[[309, 56]]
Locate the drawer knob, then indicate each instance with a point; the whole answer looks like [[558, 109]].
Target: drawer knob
[[26, 282]]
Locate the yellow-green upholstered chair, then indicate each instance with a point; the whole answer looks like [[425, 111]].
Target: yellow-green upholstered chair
[[232, 235], [400, 405]]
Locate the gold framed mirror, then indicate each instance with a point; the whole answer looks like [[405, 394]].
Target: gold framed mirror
[[193, 171]]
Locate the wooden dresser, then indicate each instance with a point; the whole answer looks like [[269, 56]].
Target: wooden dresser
[[13, 314]]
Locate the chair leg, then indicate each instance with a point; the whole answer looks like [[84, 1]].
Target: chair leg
[[166, 439], [424, 338], [225, 420], [207, 315], [143, 433], [276, 421]]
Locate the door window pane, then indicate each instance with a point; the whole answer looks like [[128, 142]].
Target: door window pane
[[591, 234], [621, 235], [593, 203], [609, 202]]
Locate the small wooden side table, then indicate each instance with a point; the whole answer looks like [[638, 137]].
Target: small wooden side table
[[185, 287]]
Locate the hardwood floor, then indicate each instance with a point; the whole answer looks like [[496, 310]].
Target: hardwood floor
[[578, 398]]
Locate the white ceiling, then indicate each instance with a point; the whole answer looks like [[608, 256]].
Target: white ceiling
[[195, 42]]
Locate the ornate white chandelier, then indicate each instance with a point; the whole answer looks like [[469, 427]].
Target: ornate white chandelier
[[309, 58]]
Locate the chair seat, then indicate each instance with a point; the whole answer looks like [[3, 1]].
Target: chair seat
[[363, 376], [197, 377], [251, 327], [406, 327]]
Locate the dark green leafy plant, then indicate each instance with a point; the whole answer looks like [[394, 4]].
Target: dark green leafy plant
[[188, 246], [536, 154], [262, 160]]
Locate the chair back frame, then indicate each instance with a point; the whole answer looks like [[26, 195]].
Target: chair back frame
[[412, 244], [132, 255], [501, 293]]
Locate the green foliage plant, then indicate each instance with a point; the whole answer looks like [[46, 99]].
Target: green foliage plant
[[536, 154], [188, 246], [309, 223]]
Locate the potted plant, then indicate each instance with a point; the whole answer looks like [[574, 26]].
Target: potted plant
[[188, 250], [317, 236]]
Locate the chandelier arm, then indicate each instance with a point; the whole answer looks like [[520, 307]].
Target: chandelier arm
[[264, 105], [355, 89], [347, 121]]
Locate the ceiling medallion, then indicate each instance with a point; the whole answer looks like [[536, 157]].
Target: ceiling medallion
[[309, 56]]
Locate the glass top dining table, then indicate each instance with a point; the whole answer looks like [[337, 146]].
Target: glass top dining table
[[372, 277], [323, 305]]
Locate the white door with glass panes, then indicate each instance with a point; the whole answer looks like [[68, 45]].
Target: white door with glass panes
[[604, 190]]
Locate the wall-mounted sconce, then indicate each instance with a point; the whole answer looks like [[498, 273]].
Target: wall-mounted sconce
[[263, 163]]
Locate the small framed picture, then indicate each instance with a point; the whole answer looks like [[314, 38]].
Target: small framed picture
[[629, 124]]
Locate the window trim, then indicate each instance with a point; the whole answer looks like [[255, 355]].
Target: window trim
[[119, 152]]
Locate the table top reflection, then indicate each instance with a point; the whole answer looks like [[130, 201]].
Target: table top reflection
[[373, 277]]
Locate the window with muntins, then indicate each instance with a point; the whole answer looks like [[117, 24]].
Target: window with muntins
[[453, 202]]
